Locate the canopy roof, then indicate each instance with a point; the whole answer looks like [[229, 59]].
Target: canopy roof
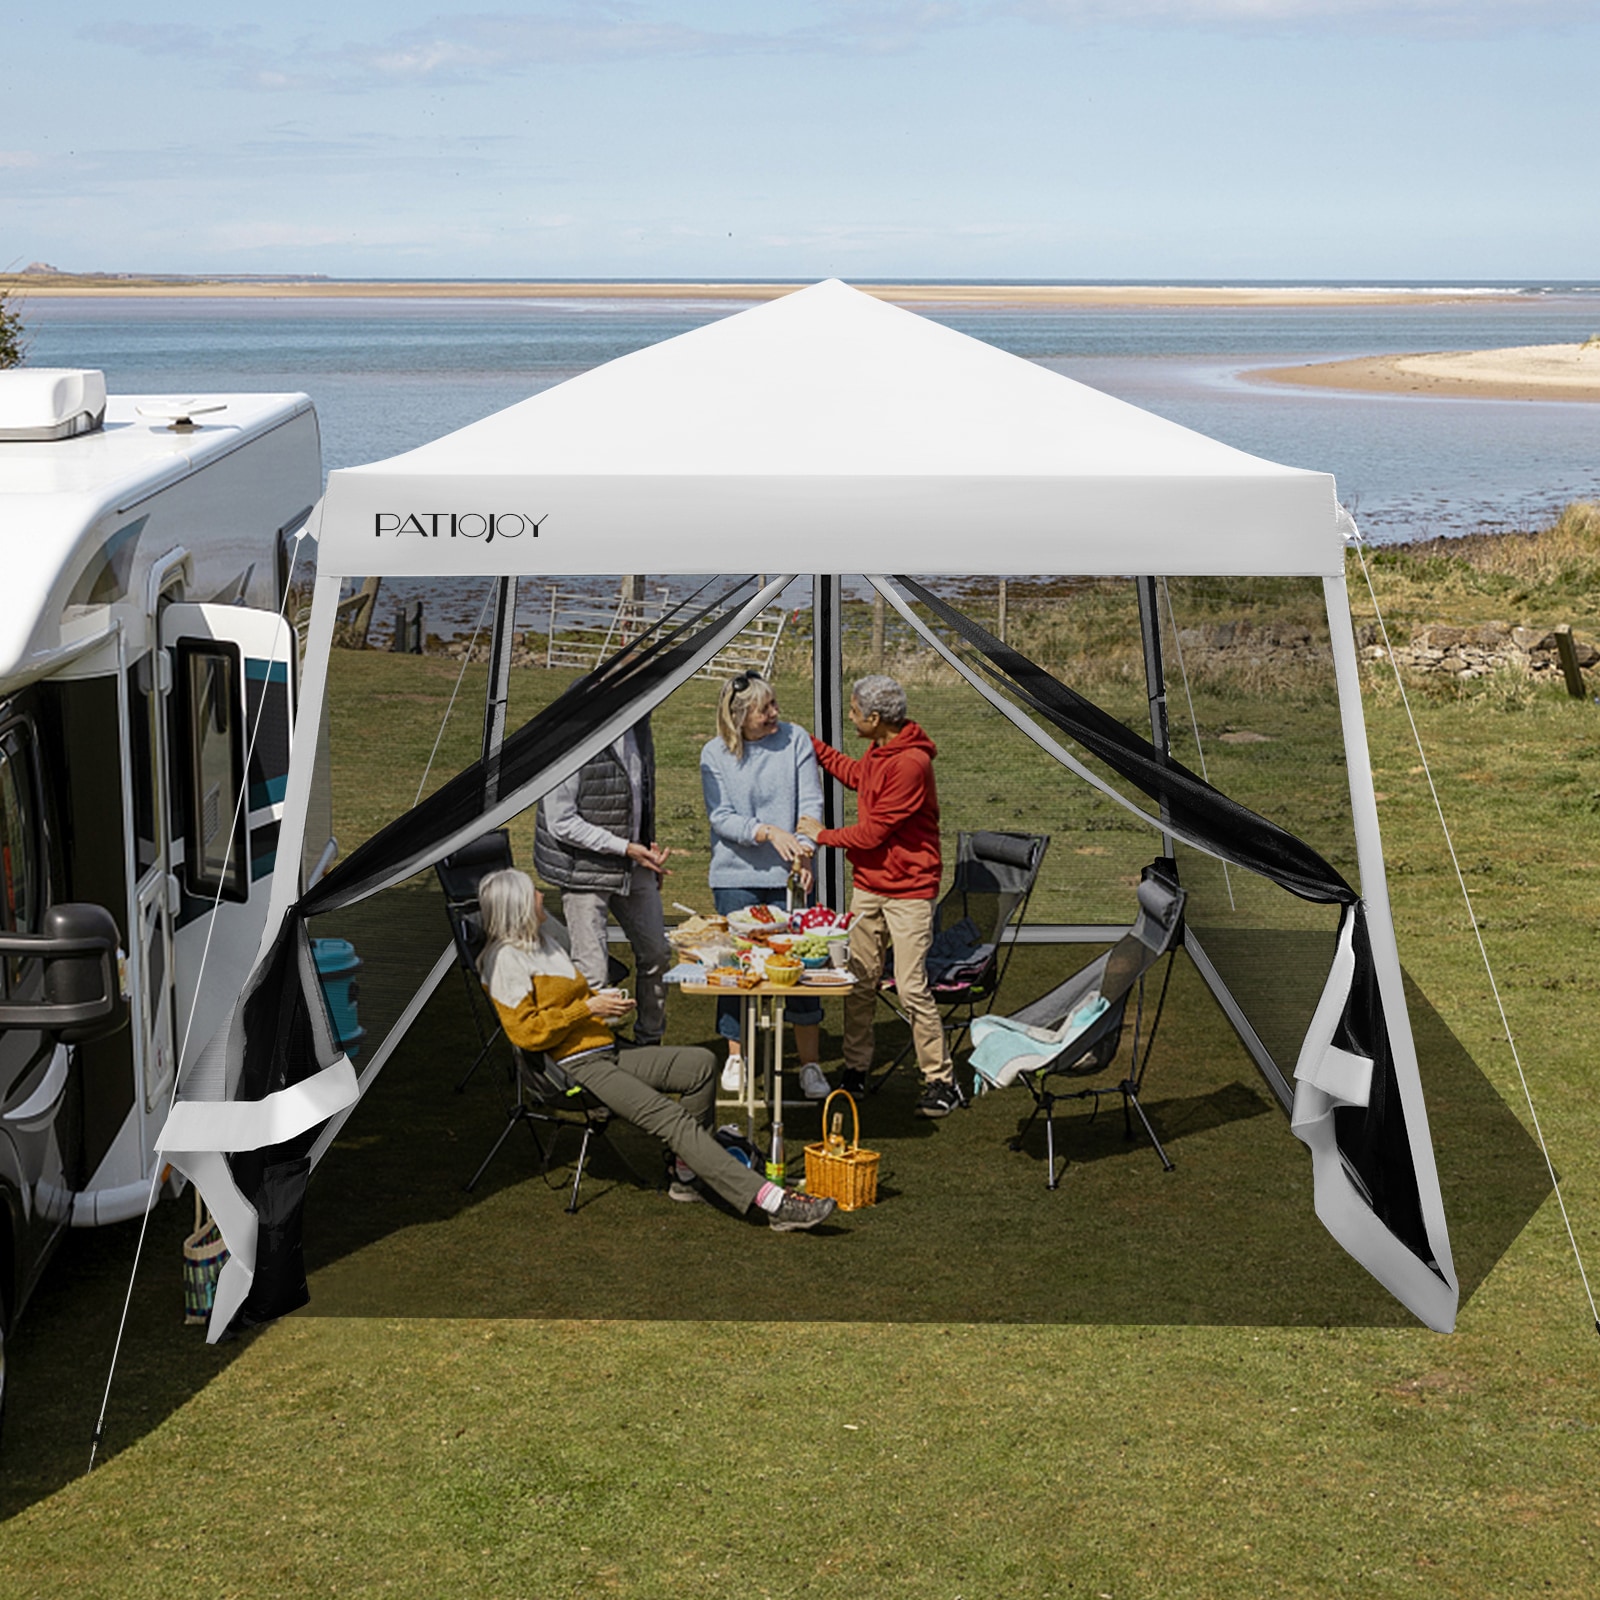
[[834, 432]]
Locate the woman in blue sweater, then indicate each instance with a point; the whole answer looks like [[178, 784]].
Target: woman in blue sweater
[[759, 777]]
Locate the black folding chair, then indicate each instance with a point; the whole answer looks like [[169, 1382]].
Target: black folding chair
[[544, 1093], [1117, 975], [988, 896], [459, 877]]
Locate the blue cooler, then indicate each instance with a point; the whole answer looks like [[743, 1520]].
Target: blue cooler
[[337, 966]]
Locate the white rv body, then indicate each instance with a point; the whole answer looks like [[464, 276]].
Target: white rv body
[[141, 648]]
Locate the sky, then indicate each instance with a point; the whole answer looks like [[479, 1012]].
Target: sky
[[891, 139]]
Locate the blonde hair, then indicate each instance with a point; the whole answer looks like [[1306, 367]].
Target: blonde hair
[[508, 910], [734, 705]]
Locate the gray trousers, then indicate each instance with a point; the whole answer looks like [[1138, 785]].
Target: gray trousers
[[636, 1085], [638, 914]]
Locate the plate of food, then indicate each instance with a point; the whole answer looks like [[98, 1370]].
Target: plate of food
[[758, 919], [699, 929], [827, 978]]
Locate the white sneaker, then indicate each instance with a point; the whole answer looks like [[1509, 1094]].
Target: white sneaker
[[733, 1074], [814, 1083]]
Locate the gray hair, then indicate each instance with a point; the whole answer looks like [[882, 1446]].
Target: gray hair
[[877, 693], [507, 909]]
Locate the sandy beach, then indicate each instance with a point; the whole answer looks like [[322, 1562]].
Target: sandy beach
[[41, 286], [1526, 372]]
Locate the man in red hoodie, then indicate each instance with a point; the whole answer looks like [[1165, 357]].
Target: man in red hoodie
[[894, 852]]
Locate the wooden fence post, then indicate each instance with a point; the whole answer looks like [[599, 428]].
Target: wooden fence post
[[1568, 652]]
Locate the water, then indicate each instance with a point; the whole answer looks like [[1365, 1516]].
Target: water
[[387, 375]]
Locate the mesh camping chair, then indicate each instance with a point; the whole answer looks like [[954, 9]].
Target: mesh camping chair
[[544, 1093], [459, 877], [994, 878], [1091, 1047]]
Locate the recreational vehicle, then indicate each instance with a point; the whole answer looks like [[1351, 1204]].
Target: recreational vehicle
[[147, 683]]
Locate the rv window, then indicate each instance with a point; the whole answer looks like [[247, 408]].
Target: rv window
[[214, 843], [19, 854]]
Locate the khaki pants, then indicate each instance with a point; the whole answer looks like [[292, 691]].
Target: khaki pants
[[908, 925]]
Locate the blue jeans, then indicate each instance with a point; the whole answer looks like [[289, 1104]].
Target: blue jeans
[[800, 1010]]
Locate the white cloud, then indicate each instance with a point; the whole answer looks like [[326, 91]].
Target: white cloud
[[470, 47], [1262, 16], [17, 159]]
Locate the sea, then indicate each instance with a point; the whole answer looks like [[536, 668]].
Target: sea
[[391, 372]]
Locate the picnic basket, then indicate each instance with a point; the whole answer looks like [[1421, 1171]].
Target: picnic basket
[[841, 1171]]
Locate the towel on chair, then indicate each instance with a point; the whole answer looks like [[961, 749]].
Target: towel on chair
[[1002, 1048]]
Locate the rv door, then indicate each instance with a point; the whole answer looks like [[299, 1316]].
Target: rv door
[[230, 715]]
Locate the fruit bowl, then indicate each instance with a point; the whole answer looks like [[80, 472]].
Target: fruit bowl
[[785, 973]]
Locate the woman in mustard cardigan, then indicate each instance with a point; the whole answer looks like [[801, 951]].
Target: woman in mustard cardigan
[[545, 1004]]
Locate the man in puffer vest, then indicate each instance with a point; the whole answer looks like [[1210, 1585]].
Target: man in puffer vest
[[595, 842]]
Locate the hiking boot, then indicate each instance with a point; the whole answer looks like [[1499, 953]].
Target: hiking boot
[[853, 1082], [799, 1211], [940, 1097], [813, 1082]]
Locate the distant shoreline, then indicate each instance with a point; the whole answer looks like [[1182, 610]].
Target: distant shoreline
[[1528, 372], [39, 286]]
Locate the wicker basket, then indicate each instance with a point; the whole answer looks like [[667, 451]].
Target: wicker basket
[[844, 1172]]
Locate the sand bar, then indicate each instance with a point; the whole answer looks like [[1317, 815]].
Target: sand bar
[[42, 286], [1525, 372]]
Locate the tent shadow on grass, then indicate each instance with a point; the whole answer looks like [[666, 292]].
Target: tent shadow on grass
[[966, 1232]]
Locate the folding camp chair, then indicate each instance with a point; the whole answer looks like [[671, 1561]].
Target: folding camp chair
[[994, 878], [459, 877], [544, 1093], [1119, 973]]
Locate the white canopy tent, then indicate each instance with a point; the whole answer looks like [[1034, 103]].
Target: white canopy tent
[[857, 436]]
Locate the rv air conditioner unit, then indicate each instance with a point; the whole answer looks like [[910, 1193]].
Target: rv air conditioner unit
[[51, 402]]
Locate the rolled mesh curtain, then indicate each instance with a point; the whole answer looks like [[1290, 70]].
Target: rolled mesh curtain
[[280, 1035], [1372, 1139]]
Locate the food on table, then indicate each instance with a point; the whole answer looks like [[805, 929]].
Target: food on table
[[732, 978], [758, 920], [818, 918]]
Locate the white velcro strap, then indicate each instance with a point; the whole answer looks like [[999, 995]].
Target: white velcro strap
[[252, 1124], [1339, 1074]]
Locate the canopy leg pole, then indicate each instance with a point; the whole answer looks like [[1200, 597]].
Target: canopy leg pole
[[827, 671], [1380, 919], [497, 693], [1155, 684], [308, 717]]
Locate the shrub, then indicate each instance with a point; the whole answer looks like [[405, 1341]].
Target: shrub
[[12, 346]]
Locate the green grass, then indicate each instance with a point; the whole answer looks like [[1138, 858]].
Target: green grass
[[1144, 1384]]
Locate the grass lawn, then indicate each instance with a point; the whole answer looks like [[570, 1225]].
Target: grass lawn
[[1146, 1383]]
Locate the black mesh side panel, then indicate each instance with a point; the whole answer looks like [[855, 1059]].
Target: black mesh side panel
[[1372, 1138], [1234, 831], [585, 707], [280, 1041], [280, 1049]]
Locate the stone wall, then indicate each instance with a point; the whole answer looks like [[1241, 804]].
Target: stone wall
[[1478, 650]]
